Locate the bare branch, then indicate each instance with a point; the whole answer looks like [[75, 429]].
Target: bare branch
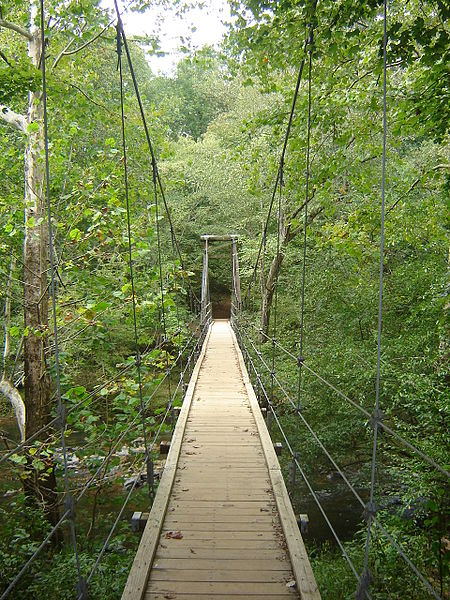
[[12, 118], [67, 52], [17, 28], [62, 53], [83, 93]]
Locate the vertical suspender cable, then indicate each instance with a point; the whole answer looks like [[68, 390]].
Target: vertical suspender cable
[[283, 152], [305, 238], [158, 238], [69, 502], [130, 260], [364, 582], [275, 304], [161, 279]]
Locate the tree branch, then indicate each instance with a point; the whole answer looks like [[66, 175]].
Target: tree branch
[[415, 183], [83, 93], [17, 28], [67, 52], [4, 57], [12, 118]]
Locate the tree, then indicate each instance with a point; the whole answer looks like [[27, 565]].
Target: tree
[[41, 486]]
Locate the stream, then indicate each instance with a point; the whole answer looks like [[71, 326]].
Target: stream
[[343, 510]]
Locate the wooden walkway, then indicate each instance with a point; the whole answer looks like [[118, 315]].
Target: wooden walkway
[[222, 525]]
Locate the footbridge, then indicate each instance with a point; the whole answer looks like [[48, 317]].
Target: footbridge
[[221, 525]]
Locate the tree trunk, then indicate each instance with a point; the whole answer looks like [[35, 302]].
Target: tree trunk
[[286, 235], [39, 486]]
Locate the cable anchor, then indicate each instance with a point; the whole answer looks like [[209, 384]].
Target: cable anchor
[[363, 585], [82, 589]]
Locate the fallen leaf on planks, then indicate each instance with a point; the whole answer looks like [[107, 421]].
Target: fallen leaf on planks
[[174, 535]]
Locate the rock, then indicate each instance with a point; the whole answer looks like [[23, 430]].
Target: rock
[[139, 480], [124, 451]]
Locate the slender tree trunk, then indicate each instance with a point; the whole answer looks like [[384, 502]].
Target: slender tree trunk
[[286, 235], [40, 486]]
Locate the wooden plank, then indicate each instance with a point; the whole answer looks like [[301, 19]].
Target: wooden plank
[[215, 588], [139, 573], [272, 554], [216, 574], [201, 534], [217, 526], [196, 563], [209, 596], [222, 504], [216, 517]]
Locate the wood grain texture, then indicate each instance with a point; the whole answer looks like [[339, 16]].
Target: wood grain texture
[[140, 570]]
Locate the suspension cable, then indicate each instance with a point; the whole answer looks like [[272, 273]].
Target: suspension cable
[[275, 305], [61, 409], [305, 239], [387, 535], [364, 582], [147, 134], [282, 157], [88, 397], [88, 484], [130, 252]]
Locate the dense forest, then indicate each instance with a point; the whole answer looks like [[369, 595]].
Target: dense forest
[[217, 127]]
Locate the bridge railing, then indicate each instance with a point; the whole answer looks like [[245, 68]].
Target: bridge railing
[[274, 395], [184, 362]]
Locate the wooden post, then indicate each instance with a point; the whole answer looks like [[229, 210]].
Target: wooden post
[[205, 283], [236, 278], [236, 285]]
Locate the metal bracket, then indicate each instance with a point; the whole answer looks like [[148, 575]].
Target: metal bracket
[[378, 416], [303, 522], [70, 506], [370, 510], [139, 521], [150, 478]]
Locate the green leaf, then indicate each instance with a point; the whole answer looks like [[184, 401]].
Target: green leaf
[[33, 127]]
